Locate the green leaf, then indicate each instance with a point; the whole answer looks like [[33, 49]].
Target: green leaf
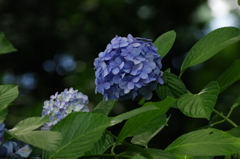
[[236, 103], [138, 157], [118, 119], [80, 130], [135, 123], [165, 42], [105, 107], [235, 132], [199, 105], [173, 86], [7, 94], [209, 45], [144, 138], [135, 151], [5, 45], [231, 75], [160, 154], [239, 2], [43, 139], [206, 142], [160, 120], [46, 140], [29, 124], [102, 145]]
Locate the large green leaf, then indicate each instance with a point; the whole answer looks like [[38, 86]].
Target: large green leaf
[[206, 142], [29, 124], [199, 105], [160, 154], [160, 120], [209, 45], [135, 123], [46, 140], [101, 145], [231, 75], [239, 2], [144, 138], [80, 130], [118, 119], [173, 86], [165, 42], [7, 94], [5, 45], [104, 107]]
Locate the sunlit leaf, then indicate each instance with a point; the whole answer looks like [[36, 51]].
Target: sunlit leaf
[[209, 45], [205, 142], [80, 130], [46, 140]]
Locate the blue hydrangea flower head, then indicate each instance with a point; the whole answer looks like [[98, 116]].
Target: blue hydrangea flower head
[[60, 105], [128, 67]]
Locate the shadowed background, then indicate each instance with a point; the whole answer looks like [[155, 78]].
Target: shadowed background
[[57, 42]]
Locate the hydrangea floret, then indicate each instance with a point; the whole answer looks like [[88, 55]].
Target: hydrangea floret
[[60, 105], [128, 67]]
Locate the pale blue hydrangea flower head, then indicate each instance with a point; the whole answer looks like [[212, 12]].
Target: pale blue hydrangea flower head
[[128, 67], [60, 105]]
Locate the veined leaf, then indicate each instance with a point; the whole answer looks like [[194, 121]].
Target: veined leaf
[[160, 154], [80, 130], [144, 138], [5, 45], [102, 145], [105, 107], [135, 123], [7, 94], [173, 86], [165, 42], [199, 105], [231, 75], [29, 124], [206, 142], [209, 45], [118, 119], [46, 140]]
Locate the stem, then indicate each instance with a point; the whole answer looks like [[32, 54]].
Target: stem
[[98, 156], [225, 118]]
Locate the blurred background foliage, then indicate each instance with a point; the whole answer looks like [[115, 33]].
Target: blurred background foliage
[[57, 42]]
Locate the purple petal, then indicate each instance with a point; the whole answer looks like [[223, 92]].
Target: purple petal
[[143, 75], [130, 85], [136, 44], [115, 70]]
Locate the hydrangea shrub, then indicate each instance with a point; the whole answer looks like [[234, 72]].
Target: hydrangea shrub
[[127, 68]]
